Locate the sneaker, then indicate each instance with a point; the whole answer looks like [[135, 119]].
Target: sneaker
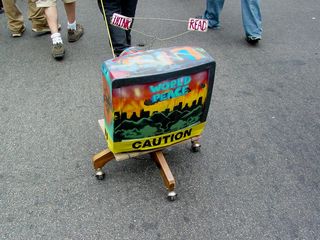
[[43, 29], [19, 33], [1, 10], [253, 40], [75, 35], [210, 27], [58, 51]]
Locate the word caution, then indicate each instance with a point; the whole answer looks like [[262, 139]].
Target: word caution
[[162, 140], [121, 21]]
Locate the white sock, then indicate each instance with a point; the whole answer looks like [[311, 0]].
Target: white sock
[[56, 38], [72, 26]]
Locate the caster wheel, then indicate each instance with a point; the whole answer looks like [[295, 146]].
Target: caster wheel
[[100, 174], [172, 196], [195, 147]]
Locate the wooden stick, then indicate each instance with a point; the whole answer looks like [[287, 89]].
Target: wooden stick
[[102, 158], [165, 171]]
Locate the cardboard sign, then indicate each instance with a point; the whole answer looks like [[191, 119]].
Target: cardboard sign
[[196, 24], [121, 21]]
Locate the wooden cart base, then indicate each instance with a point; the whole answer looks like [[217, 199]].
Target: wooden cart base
[[105, 156], [102, 158]]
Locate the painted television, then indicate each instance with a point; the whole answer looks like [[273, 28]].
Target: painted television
[[156, 98]]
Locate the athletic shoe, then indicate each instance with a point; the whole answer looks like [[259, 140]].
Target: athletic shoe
[[75, 35], [210, 27], [18, 33], [58, 51], [253, 40]]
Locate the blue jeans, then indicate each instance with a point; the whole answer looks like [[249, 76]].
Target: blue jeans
[[251, 15], [121, 39]]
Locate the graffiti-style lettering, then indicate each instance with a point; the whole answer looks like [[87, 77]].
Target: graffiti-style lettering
[[180, 91], [170, 89], [171, 84]]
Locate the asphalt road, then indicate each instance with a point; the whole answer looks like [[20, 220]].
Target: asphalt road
[[257, 175]]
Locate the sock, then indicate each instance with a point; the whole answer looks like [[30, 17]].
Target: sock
[[56, 38], [72, 26]]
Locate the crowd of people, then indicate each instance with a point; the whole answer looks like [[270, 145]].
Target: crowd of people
[[43, 15]]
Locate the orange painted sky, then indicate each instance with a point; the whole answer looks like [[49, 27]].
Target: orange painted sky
[[131, 98]]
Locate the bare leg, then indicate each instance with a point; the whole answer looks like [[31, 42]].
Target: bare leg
[[52, 18], [70, 11]]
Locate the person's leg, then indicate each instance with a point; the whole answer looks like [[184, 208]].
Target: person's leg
[[212, 12], [37, 17], [70, 11], [128, 8], [52, 18], [14, 18], [251, 17], [1, 7], [118, 35], [51, 13], [57, 49], [75, 31]]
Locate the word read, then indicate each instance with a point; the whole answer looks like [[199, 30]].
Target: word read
[[196, 24]]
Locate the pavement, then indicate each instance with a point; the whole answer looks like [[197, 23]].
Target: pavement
[[257, 175]]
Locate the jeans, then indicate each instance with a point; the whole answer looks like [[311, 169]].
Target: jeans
[[251, 15], [121, 39]]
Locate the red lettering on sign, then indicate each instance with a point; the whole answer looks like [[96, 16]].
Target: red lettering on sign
[[126, 23], [196, 24], [191, 24], [121, 21]]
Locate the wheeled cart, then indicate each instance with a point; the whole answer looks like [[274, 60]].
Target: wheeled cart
[[152, 100], [105, 156]]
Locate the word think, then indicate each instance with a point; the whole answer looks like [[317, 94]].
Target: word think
[[121, 21]]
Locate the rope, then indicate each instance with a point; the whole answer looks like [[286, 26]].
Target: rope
[[160, 39], [153, 38], [161, 19]]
